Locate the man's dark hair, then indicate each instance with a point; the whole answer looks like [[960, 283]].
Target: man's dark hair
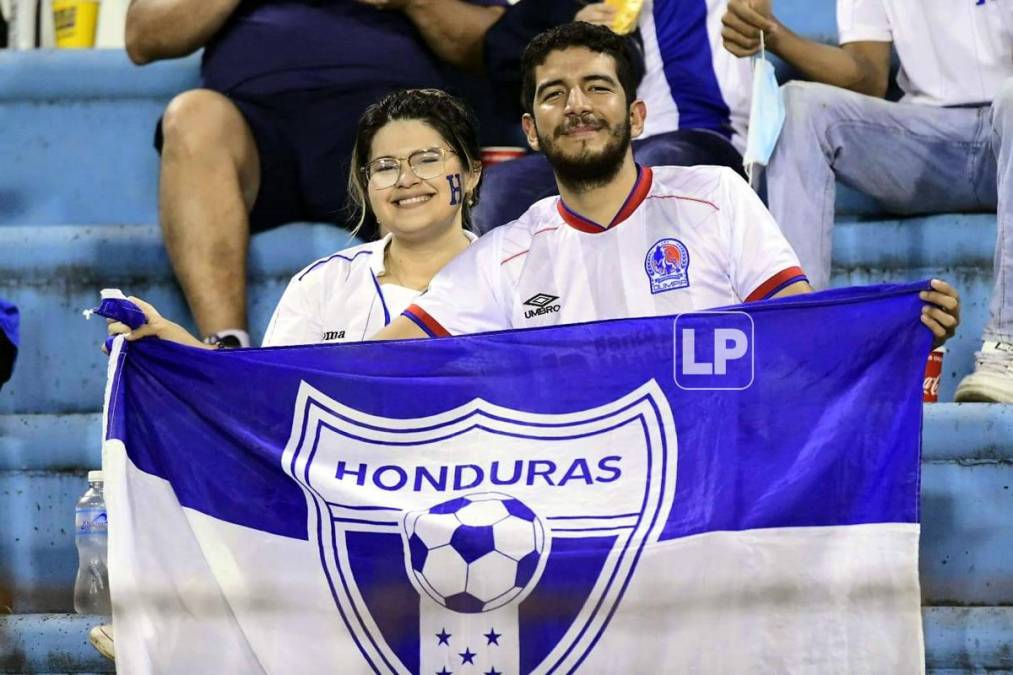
[[624, 51], [452, 118]]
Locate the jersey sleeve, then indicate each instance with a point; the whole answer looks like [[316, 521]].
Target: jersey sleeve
[[296, 319], [863, 21], [762, 262], [466, 296]]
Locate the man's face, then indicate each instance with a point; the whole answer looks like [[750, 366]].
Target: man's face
[[580, 118]]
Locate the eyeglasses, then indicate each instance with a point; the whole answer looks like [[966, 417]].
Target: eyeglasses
[[385, 172]]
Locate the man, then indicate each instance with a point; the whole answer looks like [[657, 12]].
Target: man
[[266, 141], [946, 146], [621, 240], [698, 100], [697, 93]]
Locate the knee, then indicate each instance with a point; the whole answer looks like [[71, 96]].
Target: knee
[[813, 103], [199, 120]]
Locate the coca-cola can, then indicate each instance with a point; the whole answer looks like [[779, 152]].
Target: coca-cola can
[[933, 371]]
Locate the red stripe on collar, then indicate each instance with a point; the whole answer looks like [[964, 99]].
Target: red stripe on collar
[[638, 194]]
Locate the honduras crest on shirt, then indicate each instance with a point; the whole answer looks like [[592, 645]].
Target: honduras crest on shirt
[[539, 501]]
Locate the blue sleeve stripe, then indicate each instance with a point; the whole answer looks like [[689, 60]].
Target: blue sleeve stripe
[[777, 289], [418, 322]]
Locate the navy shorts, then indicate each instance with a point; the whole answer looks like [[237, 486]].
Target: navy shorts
[[304, 139]]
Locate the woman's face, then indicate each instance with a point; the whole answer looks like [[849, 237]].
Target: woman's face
[[414, 206]]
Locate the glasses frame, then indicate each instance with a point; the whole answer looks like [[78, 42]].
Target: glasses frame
[[407, 160]]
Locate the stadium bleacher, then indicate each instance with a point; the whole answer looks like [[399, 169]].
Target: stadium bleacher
[[78, 213]]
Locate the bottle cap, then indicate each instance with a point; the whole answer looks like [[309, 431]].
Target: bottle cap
[[95, 477], [112, 294]]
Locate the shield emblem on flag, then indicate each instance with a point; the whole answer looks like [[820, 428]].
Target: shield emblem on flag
[[482, 539]]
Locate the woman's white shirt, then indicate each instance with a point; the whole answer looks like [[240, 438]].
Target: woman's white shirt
[[339, 299]]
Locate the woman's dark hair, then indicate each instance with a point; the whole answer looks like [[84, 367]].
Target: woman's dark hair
[[451, 117], [623, 50]]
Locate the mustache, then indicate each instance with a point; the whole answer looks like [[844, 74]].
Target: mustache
[[585, 120]]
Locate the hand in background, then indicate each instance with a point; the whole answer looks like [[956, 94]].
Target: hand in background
[[742, 23], [599, 13]]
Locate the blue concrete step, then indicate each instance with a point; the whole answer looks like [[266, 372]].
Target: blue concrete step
[[955, 247], [966, 496], [950, 240], [78, 129], [52, 273], [957, 640], [967, 471], [51, 644]]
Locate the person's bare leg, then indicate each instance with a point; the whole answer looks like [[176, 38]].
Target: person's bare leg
[[209, 180]]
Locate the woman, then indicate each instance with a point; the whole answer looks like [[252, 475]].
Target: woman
[[416, 170]]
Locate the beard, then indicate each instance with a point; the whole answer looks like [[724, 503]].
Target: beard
[[586, 169]]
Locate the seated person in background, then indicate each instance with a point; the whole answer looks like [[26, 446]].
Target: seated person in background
[[623, 240], [260, 145], [416, 170], [454, 29], [697, 94], [946, 146]]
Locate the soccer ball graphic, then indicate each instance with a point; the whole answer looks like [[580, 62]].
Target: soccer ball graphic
[[475, 553]]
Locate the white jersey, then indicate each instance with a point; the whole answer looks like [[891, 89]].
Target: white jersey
[[952, 52], [686, 239], [691, 81], [339, 299]]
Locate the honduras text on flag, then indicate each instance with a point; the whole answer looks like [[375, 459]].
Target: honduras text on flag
[[708, 493]]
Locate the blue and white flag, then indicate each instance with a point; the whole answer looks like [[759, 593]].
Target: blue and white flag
[[729, 492]]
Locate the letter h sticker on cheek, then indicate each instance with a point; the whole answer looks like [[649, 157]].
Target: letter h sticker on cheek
[[455, 188]]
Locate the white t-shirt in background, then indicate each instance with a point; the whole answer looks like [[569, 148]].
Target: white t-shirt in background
[[686, 239], [339, 299], [952, 52]]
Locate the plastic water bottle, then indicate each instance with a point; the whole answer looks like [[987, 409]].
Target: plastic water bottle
[[91, 589]]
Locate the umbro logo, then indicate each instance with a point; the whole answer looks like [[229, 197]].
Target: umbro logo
[[543, 302], [540, 299]]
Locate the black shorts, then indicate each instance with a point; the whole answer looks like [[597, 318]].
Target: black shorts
[[304, 139]]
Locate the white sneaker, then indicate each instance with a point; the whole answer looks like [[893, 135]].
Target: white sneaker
[[992, 379], [101, 637]]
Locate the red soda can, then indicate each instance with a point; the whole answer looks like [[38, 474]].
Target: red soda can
[[933, 371]]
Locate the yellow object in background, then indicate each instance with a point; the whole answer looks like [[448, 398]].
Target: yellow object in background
[[74, 22], [627, 13]]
